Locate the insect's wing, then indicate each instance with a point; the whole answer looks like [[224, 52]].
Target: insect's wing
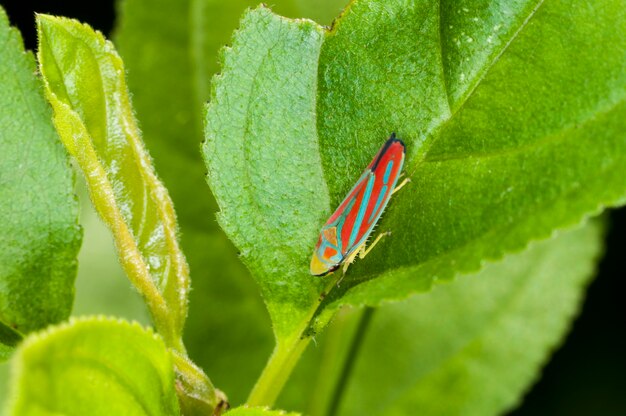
[[386, 169], [355, 218], [371, 194], [347, 213]]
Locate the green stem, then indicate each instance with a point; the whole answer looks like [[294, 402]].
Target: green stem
[[336, 343], [131, 259], [285, 356], [351, 356], [276, 372]]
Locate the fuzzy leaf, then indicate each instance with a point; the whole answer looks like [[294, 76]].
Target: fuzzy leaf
[[268, 212], [39, 232], [174, 45], [508, 137], [93, 366], [470, 348], [84, 79]]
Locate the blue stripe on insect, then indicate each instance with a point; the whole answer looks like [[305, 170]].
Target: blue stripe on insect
[[345, 233], [388, 172], [362, 209], [383, 191], [381, 196]]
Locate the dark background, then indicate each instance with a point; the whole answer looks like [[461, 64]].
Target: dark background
[[586, 376]]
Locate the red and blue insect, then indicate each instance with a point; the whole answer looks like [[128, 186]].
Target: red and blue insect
[[345, 234]]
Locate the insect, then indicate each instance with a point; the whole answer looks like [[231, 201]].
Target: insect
[[345, 234]]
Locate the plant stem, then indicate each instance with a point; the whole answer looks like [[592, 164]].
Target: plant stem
[[276, 372], [335, 346], [350, 359], [285, 356]]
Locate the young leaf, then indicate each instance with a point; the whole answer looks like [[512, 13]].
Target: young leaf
[[84, 80], [508, 140], [173, 45], [39, 232], [470, 348], [93, 366], [159, 48]]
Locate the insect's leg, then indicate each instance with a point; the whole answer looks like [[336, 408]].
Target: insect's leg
[[404, 182], [364, 252], [350, 259]]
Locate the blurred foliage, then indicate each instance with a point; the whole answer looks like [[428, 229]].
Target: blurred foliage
[[467, 348], [39, 232], [226, 315]]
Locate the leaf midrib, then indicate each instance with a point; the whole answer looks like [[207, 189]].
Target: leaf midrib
[[251, 189], [469, 92], [436, 127]]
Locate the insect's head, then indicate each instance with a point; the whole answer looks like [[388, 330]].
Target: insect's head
[[319, 267], [326, 257]]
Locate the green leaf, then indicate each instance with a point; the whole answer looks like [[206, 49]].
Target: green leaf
[[84, 80], [39, 232], [274, 190], [509, 139], [174, 44], [258, 411], [93, 366], [469, 348], [530, 145]]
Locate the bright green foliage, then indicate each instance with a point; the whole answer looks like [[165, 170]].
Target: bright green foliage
[[39, 234], [174, 45], [524, 143], [468, 348], [101, 285], [93, 366], [84, 79], [275, 183], [533, 148], [258, 411], [169, 68]]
